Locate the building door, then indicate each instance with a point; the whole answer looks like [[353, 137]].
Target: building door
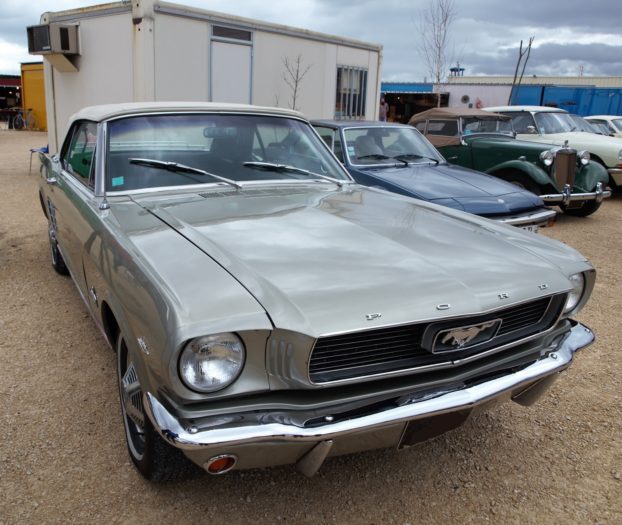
[[231, 72]]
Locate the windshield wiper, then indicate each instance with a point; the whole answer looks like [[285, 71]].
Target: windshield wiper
[[181, 168], [406, 156], [378, 156], [270, 166]]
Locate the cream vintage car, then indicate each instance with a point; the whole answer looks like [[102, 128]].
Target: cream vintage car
[[613, 123], [555, 126], [267, 310]]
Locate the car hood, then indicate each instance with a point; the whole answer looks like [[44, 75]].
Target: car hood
[[607, 148], [458, 188], [320, 261]]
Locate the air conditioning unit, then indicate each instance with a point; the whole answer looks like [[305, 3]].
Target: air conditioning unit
[[53, 38]]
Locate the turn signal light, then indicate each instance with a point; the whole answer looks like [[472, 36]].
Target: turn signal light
[[220, 464]]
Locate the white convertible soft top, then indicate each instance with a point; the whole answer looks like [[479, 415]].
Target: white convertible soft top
[[107, 111]]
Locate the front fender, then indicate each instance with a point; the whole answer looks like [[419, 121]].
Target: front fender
[[590, 175], [538, 175]]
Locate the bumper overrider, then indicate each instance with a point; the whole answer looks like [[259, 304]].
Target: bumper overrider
[[566, 196], [249, 443]]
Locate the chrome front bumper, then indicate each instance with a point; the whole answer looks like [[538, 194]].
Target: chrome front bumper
[[540, 218], [566, 196], [240, 431]]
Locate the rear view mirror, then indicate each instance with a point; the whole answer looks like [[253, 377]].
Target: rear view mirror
[[220, 132]]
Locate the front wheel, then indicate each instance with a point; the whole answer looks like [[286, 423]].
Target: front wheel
[[18, 121], [523, 181], [155, 459], [58, 263], [588, 208]]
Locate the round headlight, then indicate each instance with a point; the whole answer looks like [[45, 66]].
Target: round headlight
[[212, 362], [574, 296], [584, 157], [547, 157]]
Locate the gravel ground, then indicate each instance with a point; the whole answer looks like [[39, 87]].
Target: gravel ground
[[63, 457]]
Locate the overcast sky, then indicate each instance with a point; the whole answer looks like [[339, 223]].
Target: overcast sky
[[485, 33]]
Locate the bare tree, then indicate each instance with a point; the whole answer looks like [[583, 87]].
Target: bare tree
[[293, 75], [434, 38], [523, 56]]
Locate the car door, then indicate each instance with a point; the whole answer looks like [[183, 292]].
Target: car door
[[72, 197]]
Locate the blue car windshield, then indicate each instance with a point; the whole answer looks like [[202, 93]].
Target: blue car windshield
[[388, 145], [163, 150]]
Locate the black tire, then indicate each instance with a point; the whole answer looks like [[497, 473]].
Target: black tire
[[58, 263], [523, 181], [588, 208], [155, 459], [18, 122]]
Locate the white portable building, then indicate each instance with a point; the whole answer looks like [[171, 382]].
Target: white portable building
[[148, 50]]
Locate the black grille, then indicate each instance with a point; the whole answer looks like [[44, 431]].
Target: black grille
[[397, 348]]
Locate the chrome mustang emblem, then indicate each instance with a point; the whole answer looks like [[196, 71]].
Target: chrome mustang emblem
[[371, 317], [462, 337]]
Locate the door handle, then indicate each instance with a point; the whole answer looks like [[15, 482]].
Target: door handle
[[51, 181]]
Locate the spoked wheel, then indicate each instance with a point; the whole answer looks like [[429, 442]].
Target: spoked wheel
[[154, 458], [57, 259]]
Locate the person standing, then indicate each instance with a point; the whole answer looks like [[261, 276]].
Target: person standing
[[384, 110]]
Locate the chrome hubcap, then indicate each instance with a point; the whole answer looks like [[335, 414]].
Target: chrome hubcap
[[132, 398], [131, 403]]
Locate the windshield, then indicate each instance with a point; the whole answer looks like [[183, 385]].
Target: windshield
[[174, 150], [388, 145], [478, 125], [617, 123], [549, 122], [583, 125]]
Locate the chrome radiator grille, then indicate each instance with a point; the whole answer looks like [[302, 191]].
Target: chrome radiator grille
[[396, 348], [565, 167]]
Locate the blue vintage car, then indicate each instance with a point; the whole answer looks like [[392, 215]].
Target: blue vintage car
[[399, 159]]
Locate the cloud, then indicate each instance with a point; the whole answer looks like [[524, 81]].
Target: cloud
[[484, 36], [11, 56]]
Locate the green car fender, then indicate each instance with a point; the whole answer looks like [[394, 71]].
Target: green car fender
[[590, 175], [538, 175]]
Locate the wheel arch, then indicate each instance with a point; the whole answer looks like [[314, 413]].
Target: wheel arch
[[109, 324], [538, 175]]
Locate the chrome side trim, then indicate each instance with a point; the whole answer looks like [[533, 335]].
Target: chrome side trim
[[240, 431]]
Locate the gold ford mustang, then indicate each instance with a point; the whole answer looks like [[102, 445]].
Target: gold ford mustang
[[266, 310]]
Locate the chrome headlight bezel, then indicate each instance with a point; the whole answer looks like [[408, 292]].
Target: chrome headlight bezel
[[212, 362], [620, 155], [575, 295], [547, 157], [583, 157]]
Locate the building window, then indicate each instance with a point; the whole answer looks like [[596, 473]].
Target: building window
[[351, 93], [231, 33]]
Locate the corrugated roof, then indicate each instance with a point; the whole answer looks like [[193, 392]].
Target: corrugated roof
[[538, 80]]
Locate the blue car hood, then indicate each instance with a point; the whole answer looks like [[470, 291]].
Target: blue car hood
[[454, 186]]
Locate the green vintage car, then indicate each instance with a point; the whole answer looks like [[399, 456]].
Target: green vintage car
[[485, 141]]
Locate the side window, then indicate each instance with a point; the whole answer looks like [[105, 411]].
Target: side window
[[445, 128], [78, 158], [421, 127]]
